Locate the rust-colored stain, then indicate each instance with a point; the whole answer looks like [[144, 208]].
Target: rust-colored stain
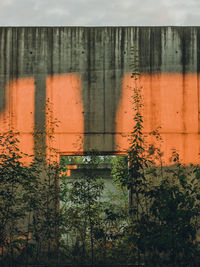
[[65, 98], [19, 112], [170, 102]]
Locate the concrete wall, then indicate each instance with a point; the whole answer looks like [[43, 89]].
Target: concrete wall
[[85, 74]]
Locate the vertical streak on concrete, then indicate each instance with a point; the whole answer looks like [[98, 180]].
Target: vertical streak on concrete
[[13, 71], [116, 59], [8, 64], [5, 63], [198, 75], [116, 90], [116, 82], [149, 35], [104, 37], [87, 111], [150, 47], [40, 87], [184, 62], [40, 97], [155, 66]]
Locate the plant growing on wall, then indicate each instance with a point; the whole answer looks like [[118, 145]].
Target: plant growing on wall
[[163, 202]]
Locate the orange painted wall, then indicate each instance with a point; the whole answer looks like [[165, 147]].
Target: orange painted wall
[[171, 101], [19, 112], [64, 93]]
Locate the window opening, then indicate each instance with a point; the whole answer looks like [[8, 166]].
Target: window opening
[[99, 166]]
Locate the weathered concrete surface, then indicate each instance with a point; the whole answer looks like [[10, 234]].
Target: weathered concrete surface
[[84, 72]]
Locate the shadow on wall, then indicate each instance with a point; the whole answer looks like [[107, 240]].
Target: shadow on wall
[[171, 101]]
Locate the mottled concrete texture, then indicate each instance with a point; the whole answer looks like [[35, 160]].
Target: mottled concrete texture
[[85, 73]]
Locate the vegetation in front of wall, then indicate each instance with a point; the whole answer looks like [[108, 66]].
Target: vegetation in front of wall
[[92, 228], [157, 225], [29, 198]]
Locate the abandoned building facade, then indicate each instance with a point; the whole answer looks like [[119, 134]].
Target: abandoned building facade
[[80, 77]]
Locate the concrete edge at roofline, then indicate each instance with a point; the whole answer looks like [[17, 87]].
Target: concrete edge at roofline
[[100, 27]]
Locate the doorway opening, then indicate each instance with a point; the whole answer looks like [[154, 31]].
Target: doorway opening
[[91, 195]]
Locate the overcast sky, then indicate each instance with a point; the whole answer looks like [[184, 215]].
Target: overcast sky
[[99, 12]]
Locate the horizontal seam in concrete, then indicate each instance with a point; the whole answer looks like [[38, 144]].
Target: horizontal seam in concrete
[[123, 133]]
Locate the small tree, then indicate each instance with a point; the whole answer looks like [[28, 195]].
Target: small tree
[[15, 182], [46, 214], [82, 210]]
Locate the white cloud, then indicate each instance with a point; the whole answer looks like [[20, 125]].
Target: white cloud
[[57, 12], [99, 12]]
